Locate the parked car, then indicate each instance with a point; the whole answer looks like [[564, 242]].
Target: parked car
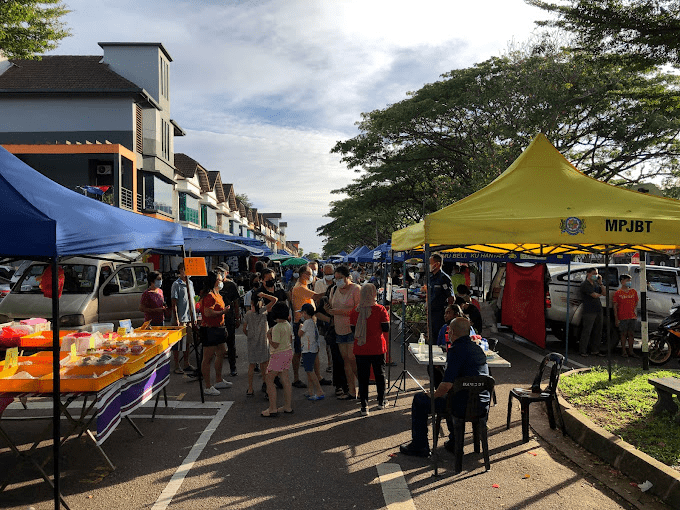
[[95, 290], [5, 287], [662, 292]]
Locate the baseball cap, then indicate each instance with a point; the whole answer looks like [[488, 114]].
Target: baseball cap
[[307, 308], [223, 266]]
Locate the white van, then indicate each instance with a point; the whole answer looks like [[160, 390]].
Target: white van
[[662, 292], [95, 290]]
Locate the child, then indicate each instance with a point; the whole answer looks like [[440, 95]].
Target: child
[[255, 328], [281, 353], [309, 340], [625, 301]]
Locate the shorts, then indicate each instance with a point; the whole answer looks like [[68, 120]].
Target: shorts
[[344, 339], [297, 346], [308, 359], [626, 325], [280, 361], [214, 337]]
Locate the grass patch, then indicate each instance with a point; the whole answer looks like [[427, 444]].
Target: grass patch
[[623, 406]]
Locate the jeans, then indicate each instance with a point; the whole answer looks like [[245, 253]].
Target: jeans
[[231, 342], [339, 377], [364, 364], [591, 332], [420, 410]]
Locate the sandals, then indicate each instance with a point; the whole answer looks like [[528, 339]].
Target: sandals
[[269, 414], [250, 393], [282, 410], [347, 396]]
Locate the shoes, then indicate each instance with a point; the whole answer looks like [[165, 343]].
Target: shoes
[[601, 354], [316, 397], [298, 384], [178, 371], [277, 382], [223, 384], [415, 451], [382, 405], [189, 368], [329, 369], [347, 396], [211, 391], [325, 382], [339, 392], [257, 368], [364, 411], [234, 373]]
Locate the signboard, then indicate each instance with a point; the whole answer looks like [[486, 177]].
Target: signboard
[[12, 358], [195, 266]]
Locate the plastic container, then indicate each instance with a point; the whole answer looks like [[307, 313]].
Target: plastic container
[[24, 385], [80, 379], [102, 327]]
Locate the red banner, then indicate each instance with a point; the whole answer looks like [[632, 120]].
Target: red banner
[[523, 306]]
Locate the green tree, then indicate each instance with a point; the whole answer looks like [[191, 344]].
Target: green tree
[[454, 136], [312, 255], [29, 28], [243, 198], [640, 31]]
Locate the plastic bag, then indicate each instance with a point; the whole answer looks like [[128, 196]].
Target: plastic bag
[[46, 281]]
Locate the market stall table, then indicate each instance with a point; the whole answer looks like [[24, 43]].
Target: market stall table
[[493, 359]]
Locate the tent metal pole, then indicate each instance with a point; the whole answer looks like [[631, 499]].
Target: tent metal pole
[[644, 326], [568, 319], [389, 314], [56, 412], [430, 341], [607, 318], [195, 332]]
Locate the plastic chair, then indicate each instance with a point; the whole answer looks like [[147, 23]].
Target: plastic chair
[[474, 412], [536, 394]]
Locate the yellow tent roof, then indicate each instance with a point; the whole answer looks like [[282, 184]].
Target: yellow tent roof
[[541, 204]]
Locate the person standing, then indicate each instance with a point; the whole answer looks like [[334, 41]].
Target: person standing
[[300, 294], [457, 277], [439, 297], [591, 320], [182, 299], [280, 337], [625, 302], [255, 328], [321, 286], [213, 311], [232, 319], [309, 339], [371, 322], [152, 302]]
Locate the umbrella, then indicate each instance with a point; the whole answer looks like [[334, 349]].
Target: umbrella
[[295, 261]]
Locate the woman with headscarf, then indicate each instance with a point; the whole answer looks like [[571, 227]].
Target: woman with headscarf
[[371, 321]]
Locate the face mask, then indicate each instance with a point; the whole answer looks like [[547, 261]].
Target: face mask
[[296, 275], [629, 284], [594, 277], [220, 285], [314, 273], [340, 283], [433, 269], [269, 283], [328, 277], [159, 283]]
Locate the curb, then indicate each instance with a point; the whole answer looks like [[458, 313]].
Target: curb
[[621, 455]]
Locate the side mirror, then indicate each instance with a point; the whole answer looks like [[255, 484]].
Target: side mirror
[[111, 288]]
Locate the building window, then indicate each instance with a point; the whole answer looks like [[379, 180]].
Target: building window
[[188, 208], [157, 195], [208, 217]]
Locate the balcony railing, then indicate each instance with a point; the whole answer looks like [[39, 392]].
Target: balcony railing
[[140, 203], [126, 199]]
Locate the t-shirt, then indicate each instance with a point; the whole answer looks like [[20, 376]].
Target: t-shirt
[[590, 304], [214, 301], [456, 280], [153, 299], [184, 294], [627, 300], [347, 300], [375, 336], [282, 334], [301, 295], [320, 285], [309, 336]]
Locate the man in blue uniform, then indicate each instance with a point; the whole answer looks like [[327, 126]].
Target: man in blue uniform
[[439, 295], [464, 358]]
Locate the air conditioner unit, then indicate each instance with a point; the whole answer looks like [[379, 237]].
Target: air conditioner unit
[[104, 169]]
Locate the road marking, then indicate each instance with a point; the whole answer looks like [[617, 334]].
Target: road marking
[[394, 487], [176, 481], [172, 404], [171, 417]]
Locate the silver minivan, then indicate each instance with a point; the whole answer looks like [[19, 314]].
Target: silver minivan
[[95, 290], [662, 291]]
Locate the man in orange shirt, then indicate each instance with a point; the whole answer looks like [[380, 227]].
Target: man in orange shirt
[[625, 301]]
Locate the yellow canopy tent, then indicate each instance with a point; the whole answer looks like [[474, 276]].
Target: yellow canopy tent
[[541, 204]]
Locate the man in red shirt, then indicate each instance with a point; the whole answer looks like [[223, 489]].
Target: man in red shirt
[[625, 301]]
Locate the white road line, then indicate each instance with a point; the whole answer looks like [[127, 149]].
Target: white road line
[[172, 417], [176, 481], [394, 487], [172, 404]]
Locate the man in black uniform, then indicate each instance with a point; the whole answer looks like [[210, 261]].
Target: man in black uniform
[[591, 291], [232, 319], [439, 295]]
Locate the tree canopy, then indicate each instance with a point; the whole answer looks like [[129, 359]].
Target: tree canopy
[[639, 31], [29, 28], [454, 136]]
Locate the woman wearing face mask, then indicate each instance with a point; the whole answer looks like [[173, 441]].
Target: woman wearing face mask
[[342, 302], [152, 303], [213, 311], [300, 295]]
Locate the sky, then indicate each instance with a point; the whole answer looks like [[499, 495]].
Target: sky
[[264, 89]]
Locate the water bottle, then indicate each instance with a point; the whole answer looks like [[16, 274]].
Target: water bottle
[[421, 343]]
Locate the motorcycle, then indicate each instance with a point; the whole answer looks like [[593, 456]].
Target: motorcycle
[[664, 343]]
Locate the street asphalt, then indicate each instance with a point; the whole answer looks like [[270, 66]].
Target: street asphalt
[[224, 455]]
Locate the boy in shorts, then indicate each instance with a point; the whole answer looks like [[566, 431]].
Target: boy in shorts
[[625, 301], [309, 341]]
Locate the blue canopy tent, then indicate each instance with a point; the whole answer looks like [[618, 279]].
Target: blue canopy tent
[[346, 258], [352, 257], [205, 246], [365, 254], [43, 220]]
